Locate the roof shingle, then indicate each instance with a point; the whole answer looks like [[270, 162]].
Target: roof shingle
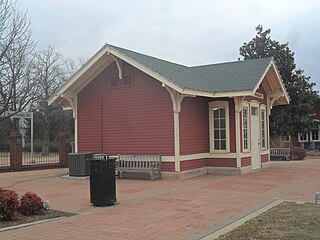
[[222, 77]]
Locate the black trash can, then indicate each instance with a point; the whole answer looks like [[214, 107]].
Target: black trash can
[[102, 180]]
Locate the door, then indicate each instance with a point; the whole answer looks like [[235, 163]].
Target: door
[[255, 140]]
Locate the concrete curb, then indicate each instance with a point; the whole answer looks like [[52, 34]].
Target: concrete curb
[[241, 221], [29, 224], [227, 225]]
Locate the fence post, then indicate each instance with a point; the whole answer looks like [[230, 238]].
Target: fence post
[[64, 148], [15, 151]]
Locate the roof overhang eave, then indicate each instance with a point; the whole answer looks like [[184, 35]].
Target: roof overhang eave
[[216, 94]]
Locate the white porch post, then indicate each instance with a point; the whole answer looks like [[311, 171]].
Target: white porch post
[[238, 108], [176, 103], [176, 121], [73, 101]]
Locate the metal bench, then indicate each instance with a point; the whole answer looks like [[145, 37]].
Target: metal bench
[[140, 163], [280, 152]]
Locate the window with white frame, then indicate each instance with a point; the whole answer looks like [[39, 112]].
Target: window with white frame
[[245, 133], [263, 128], [303, 137], [315, 135], [219, 126], [286, 138]]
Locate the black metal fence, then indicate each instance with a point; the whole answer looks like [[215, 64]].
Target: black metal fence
[[39, 157], [36, 158], [4, 158], [16, 157]]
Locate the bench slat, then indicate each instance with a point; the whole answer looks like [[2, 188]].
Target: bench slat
[[280, 152], [140, 163]]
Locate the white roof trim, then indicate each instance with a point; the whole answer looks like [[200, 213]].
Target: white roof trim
[[279, 80], [78, 74], [283, 88]]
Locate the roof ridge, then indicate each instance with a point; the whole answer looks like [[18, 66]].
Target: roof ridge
[[146, 55]]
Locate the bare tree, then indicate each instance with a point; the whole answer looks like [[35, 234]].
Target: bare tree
[[50, 70], [17, 87]]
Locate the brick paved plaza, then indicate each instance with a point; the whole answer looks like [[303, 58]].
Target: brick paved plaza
[[163, 209]]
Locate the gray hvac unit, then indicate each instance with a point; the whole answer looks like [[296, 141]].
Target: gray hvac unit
[[79, 164]]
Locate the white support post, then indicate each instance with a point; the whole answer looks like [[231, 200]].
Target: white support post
[[177, 99], [238, 107], [73, 101]]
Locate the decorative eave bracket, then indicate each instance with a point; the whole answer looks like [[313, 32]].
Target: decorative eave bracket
[[72, 100], [176, 98], [238, 103], [119, 65]]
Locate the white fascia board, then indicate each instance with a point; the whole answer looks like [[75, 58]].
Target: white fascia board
[[286, 95], [78, 74], [262, 77]]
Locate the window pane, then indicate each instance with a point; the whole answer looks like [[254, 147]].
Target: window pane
[[315, 135], [216, 124], [245, 113], [222, 123], [216, 145], [222, 112], [216, 113], [223, 145], [216, 134], [223, 134], [263, 129]]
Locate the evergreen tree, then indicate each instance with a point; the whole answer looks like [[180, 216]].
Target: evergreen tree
[[296, 117]]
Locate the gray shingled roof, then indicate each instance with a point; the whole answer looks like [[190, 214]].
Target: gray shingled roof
[[223, 77]]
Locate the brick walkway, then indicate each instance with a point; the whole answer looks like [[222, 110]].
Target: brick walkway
[[165, 209]]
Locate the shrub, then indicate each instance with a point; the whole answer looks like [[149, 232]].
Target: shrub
[[298, 153], [31, 204], [9, 204]]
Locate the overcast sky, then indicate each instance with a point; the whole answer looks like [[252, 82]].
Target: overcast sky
[[182, 31]]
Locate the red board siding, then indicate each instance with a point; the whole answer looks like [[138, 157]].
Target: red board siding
[[265, 158], [221, 162], [125, 120], [246, 161], [194, 125], [192, 164], [167, 167]]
